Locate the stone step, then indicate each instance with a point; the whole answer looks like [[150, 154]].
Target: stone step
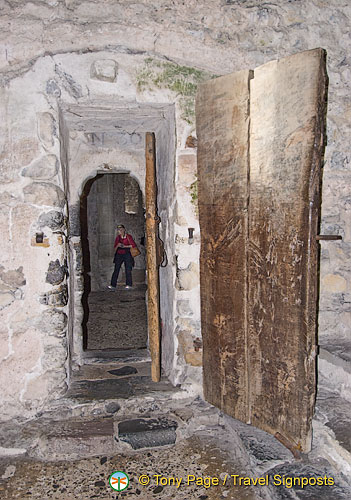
[[112, 356]]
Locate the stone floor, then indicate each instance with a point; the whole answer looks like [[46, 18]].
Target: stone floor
[[117, 319], [156, 434]]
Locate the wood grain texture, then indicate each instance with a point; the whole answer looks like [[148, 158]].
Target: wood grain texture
[[153, 289], [222, 128], [286, 144], [260, 148]]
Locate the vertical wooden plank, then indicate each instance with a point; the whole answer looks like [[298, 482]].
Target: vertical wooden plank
[[286, 146], [153, 291], [222, 116]]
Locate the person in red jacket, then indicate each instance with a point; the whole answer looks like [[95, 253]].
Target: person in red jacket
[[123, 243]]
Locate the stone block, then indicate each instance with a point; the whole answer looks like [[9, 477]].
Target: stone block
[[188, 278], [193, 358], [53, 219], [188, 325], [183, 308], [43, 168], [46, 129], [44, 193], [112, 407], [333, 283], [56, 273], [105, 70], [75, 439], [56, 298], [74, 219], [52, 322], [186, 348], [14, 277], [187, 168], [55, 354], [147, 433]]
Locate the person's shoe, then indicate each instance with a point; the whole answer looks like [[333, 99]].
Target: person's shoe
[[113, 288], [128, 286]]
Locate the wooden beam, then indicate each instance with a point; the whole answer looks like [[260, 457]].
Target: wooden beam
[[153, 289]]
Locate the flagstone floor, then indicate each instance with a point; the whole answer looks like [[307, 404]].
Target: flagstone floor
[[117, 319]]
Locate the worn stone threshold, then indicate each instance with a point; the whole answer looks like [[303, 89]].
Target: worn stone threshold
[[115, 355], [113, 381]]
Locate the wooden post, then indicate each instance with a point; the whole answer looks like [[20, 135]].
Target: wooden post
[[153, 291]]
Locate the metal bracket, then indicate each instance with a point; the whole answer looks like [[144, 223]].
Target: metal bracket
[[328, 237]]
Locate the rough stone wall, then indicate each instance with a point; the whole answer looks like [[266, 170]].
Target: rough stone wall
[[77, 52]]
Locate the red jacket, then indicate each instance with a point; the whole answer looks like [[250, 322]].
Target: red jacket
[[128, 240]]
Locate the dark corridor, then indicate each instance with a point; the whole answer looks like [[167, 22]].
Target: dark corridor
[[113, 320]]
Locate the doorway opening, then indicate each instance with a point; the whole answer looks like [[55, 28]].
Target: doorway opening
[[112, 320], [96, 142]]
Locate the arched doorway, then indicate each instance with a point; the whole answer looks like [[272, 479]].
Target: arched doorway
[[112, 320]]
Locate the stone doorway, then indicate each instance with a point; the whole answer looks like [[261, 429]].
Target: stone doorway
[[100, 144], [112, 320]]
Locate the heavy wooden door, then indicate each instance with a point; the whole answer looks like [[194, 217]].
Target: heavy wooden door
[[153, 290], [260, 148]]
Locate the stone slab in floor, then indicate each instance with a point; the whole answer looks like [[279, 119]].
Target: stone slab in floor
[[98, 371], [88, 478], [112, 388], [117, 320], [147, 433], [212, 449], [76, 439], [115, 355]]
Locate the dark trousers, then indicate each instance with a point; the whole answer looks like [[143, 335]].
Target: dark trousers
[[128, 264]]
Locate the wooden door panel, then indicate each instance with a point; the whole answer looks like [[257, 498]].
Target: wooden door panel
[[258, 208], [222, 128], [284, 105]]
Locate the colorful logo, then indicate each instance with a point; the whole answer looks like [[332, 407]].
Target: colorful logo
[[119, 480]]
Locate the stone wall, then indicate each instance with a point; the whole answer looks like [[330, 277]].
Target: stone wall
[[73, 70]]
